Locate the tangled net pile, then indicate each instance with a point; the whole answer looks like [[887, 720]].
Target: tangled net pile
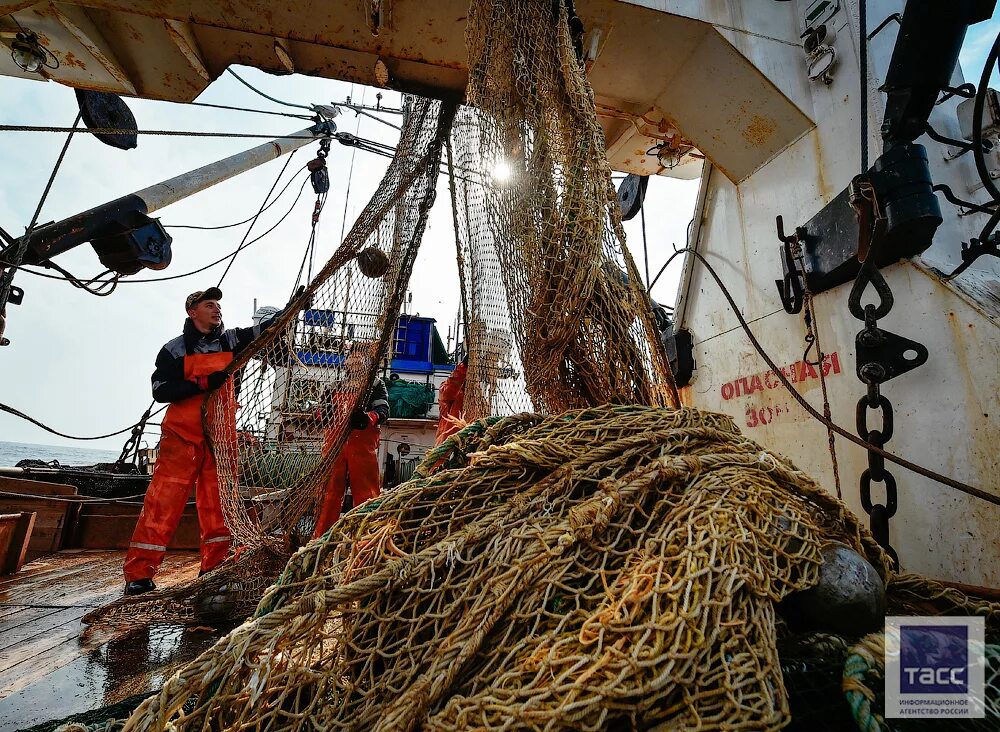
[[607, 566]]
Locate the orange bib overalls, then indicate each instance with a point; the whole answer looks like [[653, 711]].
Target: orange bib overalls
[[185, 462]]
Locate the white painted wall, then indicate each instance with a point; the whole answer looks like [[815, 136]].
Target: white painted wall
[[947, 412]]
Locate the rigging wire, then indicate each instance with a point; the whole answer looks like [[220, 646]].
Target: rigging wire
[[162, 133], [18, 413], [350, 170], [263, 204], [244, 221], [310, 249], [357, 109], [7, 277], [813, 412], [361, 112], [234, 252], [863, 63], [104, 288], [645, 249], [88, 500], [246, 109], [255, 90], [992, 59]]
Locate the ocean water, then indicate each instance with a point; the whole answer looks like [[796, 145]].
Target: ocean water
[[12, 452]]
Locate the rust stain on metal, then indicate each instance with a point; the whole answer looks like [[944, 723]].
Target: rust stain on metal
[[824, 189], [759, 130], [70, 59]]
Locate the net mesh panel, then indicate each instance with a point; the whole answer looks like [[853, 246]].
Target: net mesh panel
[[275, 443], [557, 317]]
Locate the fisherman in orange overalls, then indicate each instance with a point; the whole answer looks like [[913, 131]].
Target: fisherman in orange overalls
[[451, 400], [358, 460], [188, 367]]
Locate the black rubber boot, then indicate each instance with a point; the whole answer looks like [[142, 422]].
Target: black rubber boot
[[138, 587]]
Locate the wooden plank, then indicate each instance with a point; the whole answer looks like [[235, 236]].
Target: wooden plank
[[19, 542], [44, 590], [39, 656], [31, 651], [110, 526], [8, 522], [9, 613], [35, 487], [41, 625], [45, 568], [23, 614], [103, 588], [50, 523]]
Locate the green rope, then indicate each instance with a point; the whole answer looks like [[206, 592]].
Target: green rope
[[856, 669]]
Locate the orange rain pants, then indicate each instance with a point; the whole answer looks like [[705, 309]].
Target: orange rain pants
[[451, 398], [359, 461], [185, 462]]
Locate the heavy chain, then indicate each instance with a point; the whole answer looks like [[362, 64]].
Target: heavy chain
[[873, 374], [881, 356]]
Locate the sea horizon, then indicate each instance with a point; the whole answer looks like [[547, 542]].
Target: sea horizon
[[13, 452]]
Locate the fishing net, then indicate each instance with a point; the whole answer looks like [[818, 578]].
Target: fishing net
[[409, 399], [556, 317], [104, 480], [584, 567], [275, 443], [607, 567], [619, 567]]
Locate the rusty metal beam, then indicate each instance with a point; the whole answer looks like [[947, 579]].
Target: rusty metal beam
[[183, 38], [284, 57], [83, 30]]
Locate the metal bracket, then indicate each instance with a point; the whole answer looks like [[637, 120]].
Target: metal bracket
[[883, 355], [631, 194], [325, 127], [962, 145], [973, 251], [966, 91], [16, 295], [881, 26], [790, 288], [903, 214]]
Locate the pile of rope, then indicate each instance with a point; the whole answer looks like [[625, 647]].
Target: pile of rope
[[864, 689], [606, 567]]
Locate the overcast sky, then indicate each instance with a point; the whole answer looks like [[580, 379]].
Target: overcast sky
[[81, 364]]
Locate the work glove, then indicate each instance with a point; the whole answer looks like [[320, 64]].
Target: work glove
[[298, 293], [361, 420], [213, 381]]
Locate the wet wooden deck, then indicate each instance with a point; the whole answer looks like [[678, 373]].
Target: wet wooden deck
[[47, 671]]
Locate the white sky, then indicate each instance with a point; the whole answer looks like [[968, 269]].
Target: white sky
[[81, 364]]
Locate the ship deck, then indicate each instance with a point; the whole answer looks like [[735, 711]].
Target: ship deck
[[49, 671]]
